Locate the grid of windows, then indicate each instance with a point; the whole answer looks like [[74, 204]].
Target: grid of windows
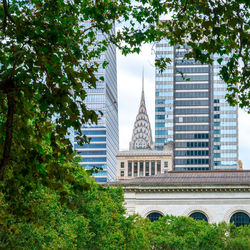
[[191, 94], [100, 180], [90, 166], [191, 103], [191, 152], [191, 78], [191, 161], [99, 145], [163, 101], [184, 111], [192, 169], [94, 159], [192, 70], [198, 114], [162, 132], [191, 127], [104, 136], [92, 152], [192, 119], [191, 136]]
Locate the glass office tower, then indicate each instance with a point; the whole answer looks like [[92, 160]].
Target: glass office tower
[[190, 109], [104, 145]]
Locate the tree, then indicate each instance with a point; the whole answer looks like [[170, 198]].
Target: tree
[[186, 233], [47, 50], [238, 237]]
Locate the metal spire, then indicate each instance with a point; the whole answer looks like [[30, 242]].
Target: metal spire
[[142, 134]]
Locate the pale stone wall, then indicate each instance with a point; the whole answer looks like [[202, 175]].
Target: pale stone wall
[[217, 206], [144, 159]]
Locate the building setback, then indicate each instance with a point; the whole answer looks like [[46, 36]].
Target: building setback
[[191, 110], [104, 145]]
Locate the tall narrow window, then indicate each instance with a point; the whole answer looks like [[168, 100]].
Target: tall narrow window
[[165, 164], [152, 168], [135, 169], [158, 167], [122, 164], [129, 168], [141, 168], [147, 168]]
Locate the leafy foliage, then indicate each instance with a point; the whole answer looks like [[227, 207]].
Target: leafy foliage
[[185, 233], [48, 49]]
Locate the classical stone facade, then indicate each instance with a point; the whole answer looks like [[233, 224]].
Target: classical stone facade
[[135, 163], [217, 195]]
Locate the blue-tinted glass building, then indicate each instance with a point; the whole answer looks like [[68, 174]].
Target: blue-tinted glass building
[[104, 145], [191, 110]]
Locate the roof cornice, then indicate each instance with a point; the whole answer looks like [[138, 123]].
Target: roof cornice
[[185, 189]]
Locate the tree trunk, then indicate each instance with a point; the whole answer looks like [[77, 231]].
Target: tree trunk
[[8, 132]]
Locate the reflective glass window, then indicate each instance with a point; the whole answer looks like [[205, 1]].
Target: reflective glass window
[[158, 167], [152, 168], [154, 216], [94, 159], [141, 168], [129, 168], [147, 168], [198, 216], [240, 219], [101, 179], [135, 169]]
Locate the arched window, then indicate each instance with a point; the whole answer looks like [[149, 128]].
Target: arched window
[[198, 216], [154, 216], [240, 219]]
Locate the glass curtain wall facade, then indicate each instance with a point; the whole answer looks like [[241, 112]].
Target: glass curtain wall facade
[[104, 144], [190, 109]]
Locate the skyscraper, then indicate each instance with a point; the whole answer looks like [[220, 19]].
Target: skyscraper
[[104, 145], [142, 159], [142, 135], [194, 113]]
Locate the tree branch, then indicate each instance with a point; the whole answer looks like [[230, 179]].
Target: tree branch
[[7, 14]]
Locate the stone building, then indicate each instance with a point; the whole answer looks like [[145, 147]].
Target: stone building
[[135, 163], [142, 159], [214, 196]]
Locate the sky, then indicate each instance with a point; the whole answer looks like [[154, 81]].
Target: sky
[[129, 77]]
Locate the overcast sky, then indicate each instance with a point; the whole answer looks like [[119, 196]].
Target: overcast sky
[[129, 76]]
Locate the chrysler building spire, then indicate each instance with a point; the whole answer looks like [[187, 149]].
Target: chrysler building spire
[[142, 135]]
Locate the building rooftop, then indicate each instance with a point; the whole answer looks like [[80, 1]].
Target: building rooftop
[[144, 152], [188, 178]]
